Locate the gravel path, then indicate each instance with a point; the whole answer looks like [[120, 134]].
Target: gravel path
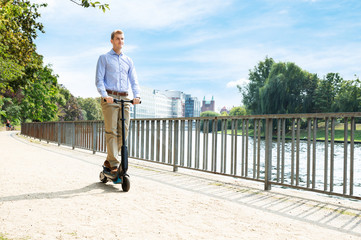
[[50, 192]]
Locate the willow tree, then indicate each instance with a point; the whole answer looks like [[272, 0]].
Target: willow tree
[[288, 89], [257, 79], [279, 88]]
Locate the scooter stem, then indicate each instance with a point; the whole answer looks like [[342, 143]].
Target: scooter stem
[[124, 150]]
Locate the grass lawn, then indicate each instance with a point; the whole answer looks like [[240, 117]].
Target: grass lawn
[[339, 132]]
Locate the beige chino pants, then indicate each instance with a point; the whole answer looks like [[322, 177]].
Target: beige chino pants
[[112, 113]]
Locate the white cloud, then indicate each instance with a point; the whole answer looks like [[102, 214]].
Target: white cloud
[[150, 14], [233, 84]]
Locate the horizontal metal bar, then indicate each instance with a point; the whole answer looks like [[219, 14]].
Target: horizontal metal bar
[[266, 116]]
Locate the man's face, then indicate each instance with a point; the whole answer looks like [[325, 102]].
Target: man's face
[[118, 41]]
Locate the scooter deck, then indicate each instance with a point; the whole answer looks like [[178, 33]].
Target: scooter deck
[[112, 176]]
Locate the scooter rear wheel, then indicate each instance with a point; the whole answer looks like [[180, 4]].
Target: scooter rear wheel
[[126, 184], [103, 178]]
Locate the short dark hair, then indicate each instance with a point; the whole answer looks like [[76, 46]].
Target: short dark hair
[[116, 32]]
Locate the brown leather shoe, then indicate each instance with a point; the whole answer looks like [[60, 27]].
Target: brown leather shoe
[[112, 169]]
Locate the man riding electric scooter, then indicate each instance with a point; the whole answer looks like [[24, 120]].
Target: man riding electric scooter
[[115, 75]]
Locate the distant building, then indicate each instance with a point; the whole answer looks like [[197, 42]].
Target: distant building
[[208, 105], [178, 102], [224, 109], [165, 104], [192, 106], [154, 105]]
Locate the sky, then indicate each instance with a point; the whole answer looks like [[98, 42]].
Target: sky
[[201, 47]]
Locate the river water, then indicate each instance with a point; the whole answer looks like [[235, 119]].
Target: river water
[[319, 169]]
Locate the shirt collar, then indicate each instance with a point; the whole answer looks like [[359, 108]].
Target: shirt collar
[[114, 53]]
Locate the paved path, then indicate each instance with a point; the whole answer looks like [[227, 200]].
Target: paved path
[[51, 192]]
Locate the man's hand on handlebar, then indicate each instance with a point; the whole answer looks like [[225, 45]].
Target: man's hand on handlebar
[[109, 99], [136, 100], [112, 100]]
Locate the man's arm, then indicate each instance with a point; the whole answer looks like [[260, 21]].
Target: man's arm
[[99, 79], [133, 79]]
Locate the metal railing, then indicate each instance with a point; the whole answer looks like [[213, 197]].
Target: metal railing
[[265, 148]]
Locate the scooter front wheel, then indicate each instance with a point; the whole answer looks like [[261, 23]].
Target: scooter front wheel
[[126, 184]]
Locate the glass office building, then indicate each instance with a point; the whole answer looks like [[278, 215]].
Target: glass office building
[[165, 104], [192, 106], [154, 105], [178, 102]]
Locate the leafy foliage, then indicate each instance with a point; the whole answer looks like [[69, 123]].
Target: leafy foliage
[[29, 90], [18, 57], [210, 114], [38, 102], [326, 92], [288, 89], [88, 3], [277, 88], [349, 97], [68, 106], [91, 108], [257, 78], [18, 29], [238, 111]]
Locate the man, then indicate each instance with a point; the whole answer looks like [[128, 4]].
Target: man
[[114, 73], [8, 125]]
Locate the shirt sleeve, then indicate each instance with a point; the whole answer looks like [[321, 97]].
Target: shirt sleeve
[[99, 77], [133, 79]]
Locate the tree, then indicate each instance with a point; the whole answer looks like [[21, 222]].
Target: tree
[[349, 97], [209, 114], [91, 107], [28, 89], [18, 30], [238, 111], [288, 89], [223, 114], [257, 79], [39, 97], [327, 90], [210, 126], [277, 88], [68, 106]]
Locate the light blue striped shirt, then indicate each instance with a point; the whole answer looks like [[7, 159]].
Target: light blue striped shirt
[[115, 72]]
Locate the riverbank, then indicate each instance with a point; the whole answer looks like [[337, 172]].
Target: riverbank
[[320, 134]]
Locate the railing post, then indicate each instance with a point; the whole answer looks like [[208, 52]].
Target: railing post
[[73, 137], [175, 152], [352, 148], [170, 132], [59, 134], [268, 154], [48, 132], [345, 144], [94, 137]]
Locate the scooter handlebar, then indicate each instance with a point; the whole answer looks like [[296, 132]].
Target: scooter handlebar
[[124, 101]]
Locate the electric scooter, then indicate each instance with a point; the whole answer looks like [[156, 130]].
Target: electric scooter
[[121, 177]]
